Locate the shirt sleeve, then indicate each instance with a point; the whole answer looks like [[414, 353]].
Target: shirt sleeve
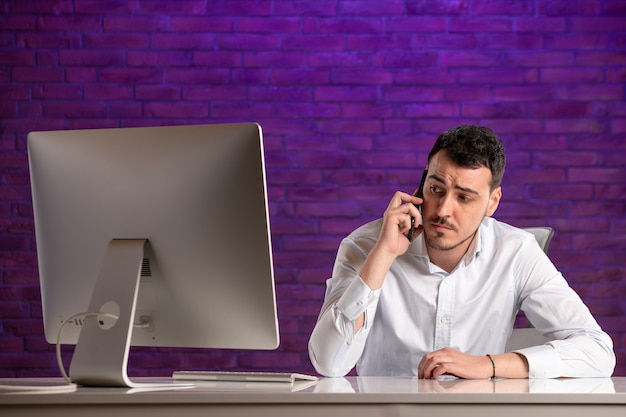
[[579, 347], [575, 357], [334, 348]]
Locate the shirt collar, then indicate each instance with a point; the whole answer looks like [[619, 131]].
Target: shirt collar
[[418, 248]]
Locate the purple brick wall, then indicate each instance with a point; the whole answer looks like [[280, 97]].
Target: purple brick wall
[[351, 95]]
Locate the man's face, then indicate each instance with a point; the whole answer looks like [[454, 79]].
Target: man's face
[[455, 201]]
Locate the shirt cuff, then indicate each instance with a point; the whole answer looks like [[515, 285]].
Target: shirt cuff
[[543, 361], [356, 299]]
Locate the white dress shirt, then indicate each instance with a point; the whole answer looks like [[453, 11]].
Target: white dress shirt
[[421, 308]]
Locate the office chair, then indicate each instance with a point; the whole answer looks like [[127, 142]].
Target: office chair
[[529, 336], [543, 236]]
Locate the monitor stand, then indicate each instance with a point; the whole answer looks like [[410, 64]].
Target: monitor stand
[[101, 354]]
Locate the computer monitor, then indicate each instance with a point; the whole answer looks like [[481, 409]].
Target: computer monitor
[[163, 231]]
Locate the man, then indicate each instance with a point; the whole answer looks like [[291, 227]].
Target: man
[[445, 300]]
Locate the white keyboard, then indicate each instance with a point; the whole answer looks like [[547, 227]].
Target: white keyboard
[[241, 376]]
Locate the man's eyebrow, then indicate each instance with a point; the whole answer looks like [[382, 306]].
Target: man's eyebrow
[[458, 187]]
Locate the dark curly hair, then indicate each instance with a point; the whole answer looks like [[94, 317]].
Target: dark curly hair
[[471, 146]]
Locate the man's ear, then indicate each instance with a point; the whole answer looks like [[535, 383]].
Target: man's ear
[[494, 201]]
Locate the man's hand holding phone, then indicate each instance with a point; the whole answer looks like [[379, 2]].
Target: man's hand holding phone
[[401, 220]]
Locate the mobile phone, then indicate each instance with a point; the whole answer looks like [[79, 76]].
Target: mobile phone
[[419, 194]]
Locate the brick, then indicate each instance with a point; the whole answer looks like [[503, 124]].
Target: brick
[[350, 127], [197, 76], [74, 109], [297, 94], [160, 59], [176, 109], [68, 23], [314, 43], [214, 92], [343, 93], [512, 126], [49, 40], [301, 110], [278, 59], [108, 92], [614, 7], [469, 59], [492, 110], [448, 41], [251, 76], [125, 109], [299, 76], [508, 8], [411, 94], [425, 76], [597, 24], [80, 75], [305, 8], [559, 109], [434, 7], [130, 75], [255, 42], [17, 22], [98, 8], [137, 23], [194, 41], [427, 110], [185, 8], [409, 59], [541, 24], [525, 93], [590, 92], [149, 92], [268, 24], [250, 110], [105, 41], [586, 125], [564, 158], [413, 24], [15, 58], [596, 175], [515, 41], [465, 93], [539, 59], [217, 58], [562, 192], [366, 110], [374, 8], [252, 8], [195, 24], [336, 59], [57, 91], [306, 243], [485, 25], [350, 25], [8, 110], [576, 41], [595, 58], [91, 58]]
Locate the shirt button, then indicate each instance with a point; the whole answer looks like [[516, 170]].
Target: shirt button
[[444, 319], [348, 342]]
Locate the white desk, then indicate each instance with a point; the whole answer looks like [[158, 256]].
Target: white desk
[[329, 397]]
